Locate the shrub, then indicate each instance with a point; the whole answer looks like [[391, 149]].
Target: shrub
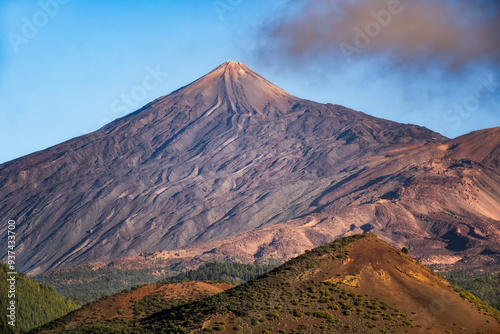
[[326, 315], [297, 312], [274, 315], [219, 328]]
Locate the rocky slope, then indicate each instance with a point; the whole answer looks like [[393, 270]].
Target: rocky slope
[[440, 200], [229, 153]]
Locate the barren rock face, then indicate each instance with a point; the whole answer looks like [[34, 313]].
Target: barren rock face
[[232, 153]]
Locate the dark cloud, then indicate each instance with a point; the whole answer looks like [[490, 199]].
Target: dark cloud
[[456, 34]]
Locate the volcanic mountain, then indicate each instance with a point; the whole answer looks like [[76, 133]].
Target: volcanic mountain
[[357, 284], [231, 157]]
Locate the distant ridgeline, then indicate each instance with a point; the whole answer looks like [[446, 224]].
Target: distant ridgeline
[[74, 283], [36, 304]]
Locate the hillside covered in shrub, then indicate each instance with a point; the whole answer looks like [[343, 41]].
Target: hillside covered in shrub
[[356, 284]]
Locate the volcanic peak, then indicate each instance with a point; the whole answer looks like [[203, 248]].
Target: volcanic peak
[[239, 88]]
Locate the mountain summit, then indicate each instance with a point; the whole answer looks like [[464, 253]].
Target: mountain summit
[[239, 88], [226, 155]]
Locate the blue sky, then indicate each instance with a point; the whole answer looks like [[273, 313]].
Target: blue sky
[[66, 65]]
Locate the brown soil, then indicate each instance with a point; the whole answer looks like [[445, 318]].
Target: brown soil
[[399, 280], [379, 271], [120, 306]]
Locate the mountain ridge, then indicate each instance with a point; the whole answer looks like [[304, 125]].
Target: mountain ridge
[[201, 164]]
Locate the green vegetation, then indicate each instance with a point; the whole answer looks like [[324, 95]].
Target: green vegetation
[[74, 283], [485, 286], [92, 320], [479, 288], [222, 271], [481, 305], [404, 250], [280, 297], [264, 304], [327, 315], [36, 304], [153, 303], [106, 281], [286, 300]]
